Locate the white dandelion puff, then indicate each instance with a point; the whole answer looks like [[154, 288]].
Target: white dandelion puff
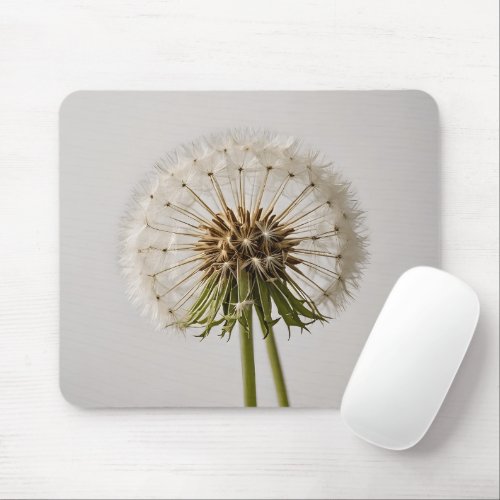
[[242, 202], [241, 221]]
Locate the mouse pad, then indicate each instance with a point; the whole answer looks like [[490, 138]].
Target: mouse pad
[[197, 227]]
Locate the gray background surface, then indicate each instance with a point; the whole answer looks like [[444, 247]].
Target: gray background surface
[[386, 143]]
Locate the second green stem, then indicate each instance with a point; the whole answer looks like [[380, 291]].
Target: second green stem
[[274, 360]]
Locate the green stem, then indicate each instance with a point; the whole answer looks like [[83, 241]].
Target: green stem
[[248, 366], [274, 359], [246, 344]]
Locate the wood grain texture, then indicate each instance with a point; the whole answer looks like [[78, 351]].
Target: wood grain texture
[[49, 449]]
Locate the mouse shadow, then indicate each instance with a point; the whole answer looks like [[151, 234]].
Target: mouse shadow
[[459, 398]]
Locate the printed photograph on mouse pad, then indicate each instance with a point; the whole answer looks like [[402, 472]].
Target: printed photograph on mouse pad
[[234, 248]]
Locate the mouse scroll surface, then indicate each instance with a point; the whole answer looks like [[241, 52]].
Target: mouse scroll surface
[[410, 358]]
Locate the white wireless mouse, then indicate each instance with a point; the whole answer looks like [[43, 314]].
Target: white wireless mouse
[[410, 358]]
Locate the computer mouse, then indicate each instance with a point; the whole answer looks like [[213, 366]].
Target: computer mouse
[[410, 358]]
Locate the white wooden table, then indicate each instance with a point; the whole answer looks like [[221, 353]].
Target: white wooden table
[[49, 449]]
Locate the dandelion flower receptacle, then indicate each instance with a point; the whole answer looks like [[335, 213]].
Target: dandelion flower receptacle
[[240, 223]]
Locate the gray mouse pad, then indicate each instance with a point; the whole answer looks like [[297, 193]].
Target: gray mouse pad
[[385, 142]]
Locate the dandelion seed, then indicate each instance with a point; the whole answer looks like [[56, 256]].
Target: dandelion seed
[[240, 307]]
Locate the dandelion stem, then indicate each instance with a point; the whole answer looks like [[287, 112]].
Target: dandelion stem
[[274, 360], [248, 366], [246, 343]]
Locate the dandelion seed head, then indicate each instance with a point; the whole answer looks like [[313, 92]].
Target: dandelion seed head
[[241, 200]]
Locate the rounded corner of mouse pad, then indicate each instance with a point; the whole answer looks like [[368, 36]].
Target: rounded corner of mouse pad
[[386, 143]]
